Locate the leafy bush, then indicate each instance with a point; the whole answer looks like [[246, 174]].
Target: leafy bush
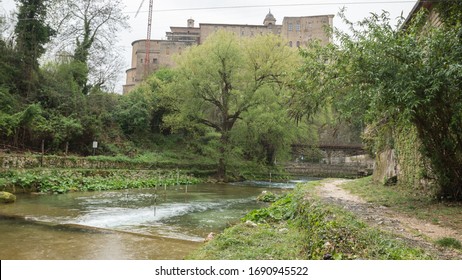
[[283, 209], [267, 197]]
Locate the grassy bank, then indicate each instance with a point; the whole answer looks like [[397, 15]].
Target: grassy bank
[[75, 180], [295, 227]]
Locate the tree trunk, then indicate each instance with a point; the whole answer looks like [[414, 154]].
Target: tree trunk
[[221, 172], [67, 148]]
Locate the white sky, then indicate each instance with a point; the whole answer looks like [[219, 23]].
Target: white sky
[[162, 19]]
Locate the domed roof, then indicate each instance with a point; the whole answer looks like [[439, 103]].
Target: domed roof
[[269, 19]]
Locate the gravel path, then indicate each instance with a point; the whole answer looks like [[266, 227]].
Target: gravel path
[[412, 230]]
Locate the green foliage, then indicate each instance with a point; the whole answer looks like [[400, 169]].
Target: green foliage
[[266, 132], [282, 209], [381, 74], [21, 124], [450, 12], [9, 75], [449, 242], [63, 182], [32, 33], [415, 168], [267, 197], [220, 81], [62, 86]]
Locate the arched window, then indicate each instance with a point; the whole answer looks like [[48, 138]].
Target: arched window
[[290, 44]]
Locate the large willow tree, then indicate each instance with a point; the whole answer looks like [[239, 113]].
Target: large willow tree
[[220, 80]]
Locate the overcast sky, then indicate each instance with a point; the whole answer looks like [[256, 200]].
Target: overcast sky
[[176, 13]]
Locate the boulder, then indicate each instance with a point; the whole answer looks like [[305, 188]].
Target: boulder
[[250, 224], [6, 197], [386, 168], [210, 237]]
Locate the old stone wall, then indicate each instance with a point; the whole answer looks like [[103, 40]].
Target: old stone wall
[[329, 170], [37, 161]]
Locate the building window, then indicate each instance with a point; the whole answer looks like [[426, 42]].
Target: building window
[[141, 60], [298, 27], [291, 27], [290, 44], [298, 44], [155, 61]]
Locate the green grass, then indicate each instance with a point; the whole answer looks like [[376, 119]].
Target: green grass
[[295, 227], [264, 242], [449, 242]]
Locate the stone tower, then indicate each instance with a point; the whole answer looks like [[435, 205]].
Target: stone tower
[[190, 23], [270, 20]]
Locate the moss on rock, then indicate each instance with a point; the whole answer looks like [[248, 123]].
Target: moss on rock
[[6, 197]]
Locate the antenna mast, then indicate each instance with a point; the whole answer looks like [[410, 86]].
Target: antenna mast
[[148, 37], [148, 41]]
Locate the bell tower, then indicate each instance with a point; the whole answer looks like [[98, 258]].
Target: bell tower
[[190, 23], [270, 20]]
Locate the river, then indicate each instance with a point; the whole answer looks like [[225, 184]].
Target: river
[[162, 223]]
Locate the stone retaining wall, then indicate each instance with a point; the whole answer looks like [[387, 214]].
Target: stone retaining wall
[[328, 170], [37, 161]]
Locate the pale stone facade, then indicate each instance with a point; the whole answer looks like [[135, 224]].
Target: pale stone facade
[[432, 18], [298, 31]]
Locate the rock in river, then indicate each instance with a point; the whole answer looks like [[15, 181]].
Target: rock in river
[[6, 197]]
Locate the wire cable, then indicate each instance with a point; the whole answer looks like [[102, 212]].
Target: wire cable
[[279, 5]]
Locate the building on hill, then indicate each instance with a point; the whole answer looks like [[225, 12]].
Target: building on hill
[[298, 31]]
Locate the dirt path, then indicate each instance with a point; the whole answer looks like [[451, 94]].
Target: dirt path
[[413, 230]]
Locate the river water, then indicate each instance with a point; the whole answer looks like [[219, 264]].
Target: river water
[[162, 223]]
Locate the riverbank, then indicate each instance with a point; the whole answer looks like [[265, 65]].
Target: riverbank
[[307, 225], [76, 180], [60, 174]]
